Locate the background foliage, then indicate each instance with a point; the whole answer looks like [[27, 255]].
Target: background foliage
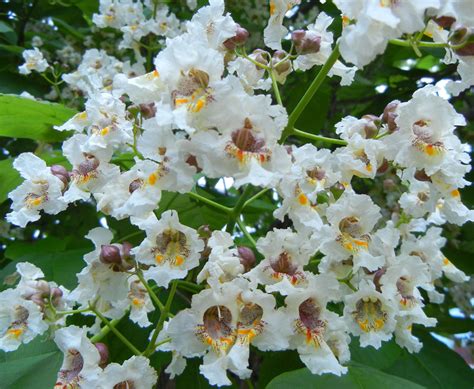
[[56, 243]]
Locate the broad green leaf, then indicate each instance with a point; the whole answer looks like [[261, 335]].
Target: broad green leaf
[[33, 365], [358, 377], [9, 178], [25, 118]]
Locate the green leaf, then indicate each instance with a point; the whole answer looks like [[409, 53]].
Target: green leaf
[[33, 365], [9, 178], [25, 118], [358, 377]]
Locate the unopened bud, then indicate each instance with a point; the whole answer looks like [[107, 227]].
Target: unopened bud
[[421, 175], [261, 56], [382, 169], [239, 39], [281, 67], [306, 42], [103, 352], [337, 190], [56, 295], [110, 254], [445, 21], [389, 115], [43, 288], [148, 110], [247, 257], [126, 248], [38, 299], [371, 129], [464, 37], [204, 231], [60, 172]]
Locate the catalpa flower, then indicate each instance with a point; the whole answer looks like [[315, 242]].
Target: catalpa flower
[[34, 60], [170, 249], [370, 315], [275, 31], [20, 320], [317, 333], [41, 190]]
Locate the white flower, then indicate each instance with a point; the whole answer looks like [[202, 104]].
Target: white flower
[[20, 320], [285, 255], [316, 330], [352, 218], [106, 284], [170, 249], [135, 372], [310, 174], [223, 264], [307, 61], [370, 315], [80, 367], [41, 191], [91, 170], [34, 60], [275, 31], [425, 139]]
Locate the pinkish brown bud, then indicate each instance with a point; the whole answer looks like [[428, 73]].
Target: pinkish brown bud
[[104, 354], [126, 248], [110, 254], [389, 184], [306, 42], [247, 257], [148, 110], [60, 172], [43, 288], [279, 66], [239, 39], [38, 299], [371, 129], [445, 21], [204, 231], [389, 115], [261, 56]]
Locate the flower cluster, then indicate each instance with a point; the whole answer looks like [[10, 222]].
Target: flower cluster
[[346, 266]]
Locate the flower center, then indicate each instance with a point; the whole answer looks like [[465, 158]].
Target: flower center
[[309, 322], [352, 237], [125, 385], [369, 314], [423, 139], [405, 289], [250, 322], [68, 376], [172, 247], [86, 170], [192, 90], [216, 330]]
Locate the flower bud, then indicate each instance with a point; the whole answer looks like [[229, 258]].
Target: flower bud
[[371, 129], [60, 172], [126, 248], [445, 21], [148, 110], [110, 254], [464, 37], [282, 68], [56, 295], [103, 352], [247, 257], [261, 56], [43, 288], [38, 299], [204, 231], [421, 175], [239, 39], [382, 169], [389, 115], [389, 184], [306, 42]]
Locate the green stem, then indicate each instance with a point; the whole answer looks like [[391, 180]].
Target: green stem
[[318, 80], [164, 314], [405, 43], [189, 286], [210, 202], [152, 294], [235, 212], [318, 137], [276, 91], [243, 228], [104, 331], [255, 197], [131, 235], [117, 333], [72, 312]]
